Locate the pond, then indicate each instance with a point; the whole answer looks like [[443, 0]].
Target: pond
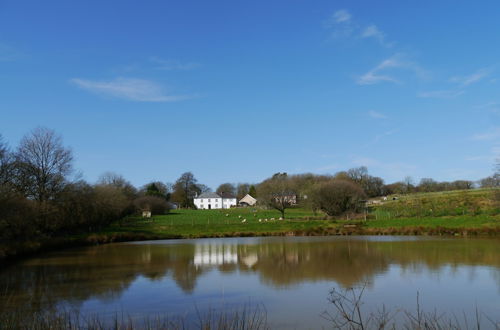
[[291, 277]]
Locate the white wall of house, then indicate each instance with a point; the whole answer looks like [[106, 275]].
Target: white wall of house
[[214, 203]]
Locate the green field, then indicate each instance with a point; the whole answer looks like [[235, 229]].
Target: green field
[[466, 221], [440, 204], [200, 223], [437, 213]]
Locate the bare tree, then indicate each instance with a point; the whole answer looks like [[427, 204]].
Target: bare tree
[[185, 189], [6, 163], [278, 193], [119, 182], [227, 188], [43, 164], [409, 185], [242, 190]]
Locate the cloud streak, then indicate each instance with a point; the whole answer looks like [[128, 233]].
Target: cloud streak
[[440, 94], [340, 16], [472, 78], [379, 73], [492, 135], [373, 31], [139, 90], [376, 115]]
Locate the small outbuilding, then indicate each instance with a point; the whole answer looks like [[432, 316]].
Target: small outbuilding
[[247, 201]]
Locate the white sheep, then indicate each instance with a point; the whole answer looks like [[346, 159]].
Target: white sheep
[[244, 220], [260, 220]]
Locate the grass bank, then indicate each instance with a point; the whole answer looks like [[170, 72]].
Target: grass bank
[[257, 222]]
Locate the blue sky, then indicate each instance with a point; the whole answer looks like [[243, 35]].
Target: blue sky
[[235, 91]]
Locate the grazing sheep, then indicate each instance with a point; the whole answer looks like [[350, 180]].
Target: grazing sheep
[[260, 220], [244, 220], [265, 220], [281, 218], [239, 216], [227, 214], [272, 219]]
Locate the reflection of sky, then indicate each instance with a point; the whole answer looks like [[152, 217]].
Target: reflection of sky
[[300, 306], [449, 288]]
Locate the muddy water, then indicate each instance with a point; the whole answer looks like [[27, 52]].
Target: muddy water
[[290, 276]]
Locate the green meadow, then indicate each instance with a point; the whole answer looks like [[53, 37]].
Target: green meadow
[[452, 213]]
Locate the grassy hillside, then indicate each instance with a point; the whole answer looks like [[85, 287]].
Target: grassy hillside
[[426, 213], [440, 204], [199, 223]]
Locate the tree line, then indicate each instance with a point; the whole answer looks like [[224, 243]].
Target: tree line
[[41, 195], [347, 191]]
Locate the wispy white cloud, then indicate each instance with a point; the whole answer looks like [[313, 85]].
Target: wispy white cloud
[[472, 78], [477, 158], [374, 32], [384, 134], [129, 89], [379, 73], [343, 25], [169, 64], [491, 135], [494, 155], [441, 94], [376, 115], [341, 16], [489, 105], [340, 24]]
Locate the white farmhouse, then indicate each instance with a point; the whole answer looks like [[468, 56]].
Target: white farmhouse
[[210, 200]]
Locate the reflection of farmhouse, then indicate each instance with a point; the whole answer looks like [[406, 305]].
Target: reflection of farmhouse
[[215, 254], [212, 200], [247, 201]]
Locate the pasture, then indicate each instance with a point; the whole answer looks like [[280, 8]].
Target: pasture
[[230, 222]]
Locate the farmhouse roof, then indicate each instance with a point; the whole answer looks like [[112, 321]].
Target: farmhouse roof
[[209, 195]]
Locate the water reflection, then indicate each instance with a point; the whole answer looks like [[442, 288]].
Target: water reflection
[[106, 272]]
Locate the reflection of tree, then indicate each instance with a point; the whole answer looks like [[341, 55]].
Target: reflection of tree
[[346, 262], [104, 272]]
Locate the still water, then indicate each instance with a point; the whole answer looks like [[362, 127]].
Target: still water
[[290, 276]]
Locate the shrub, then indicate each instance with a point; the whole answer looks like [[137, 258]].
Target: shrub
[[336, 197]]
